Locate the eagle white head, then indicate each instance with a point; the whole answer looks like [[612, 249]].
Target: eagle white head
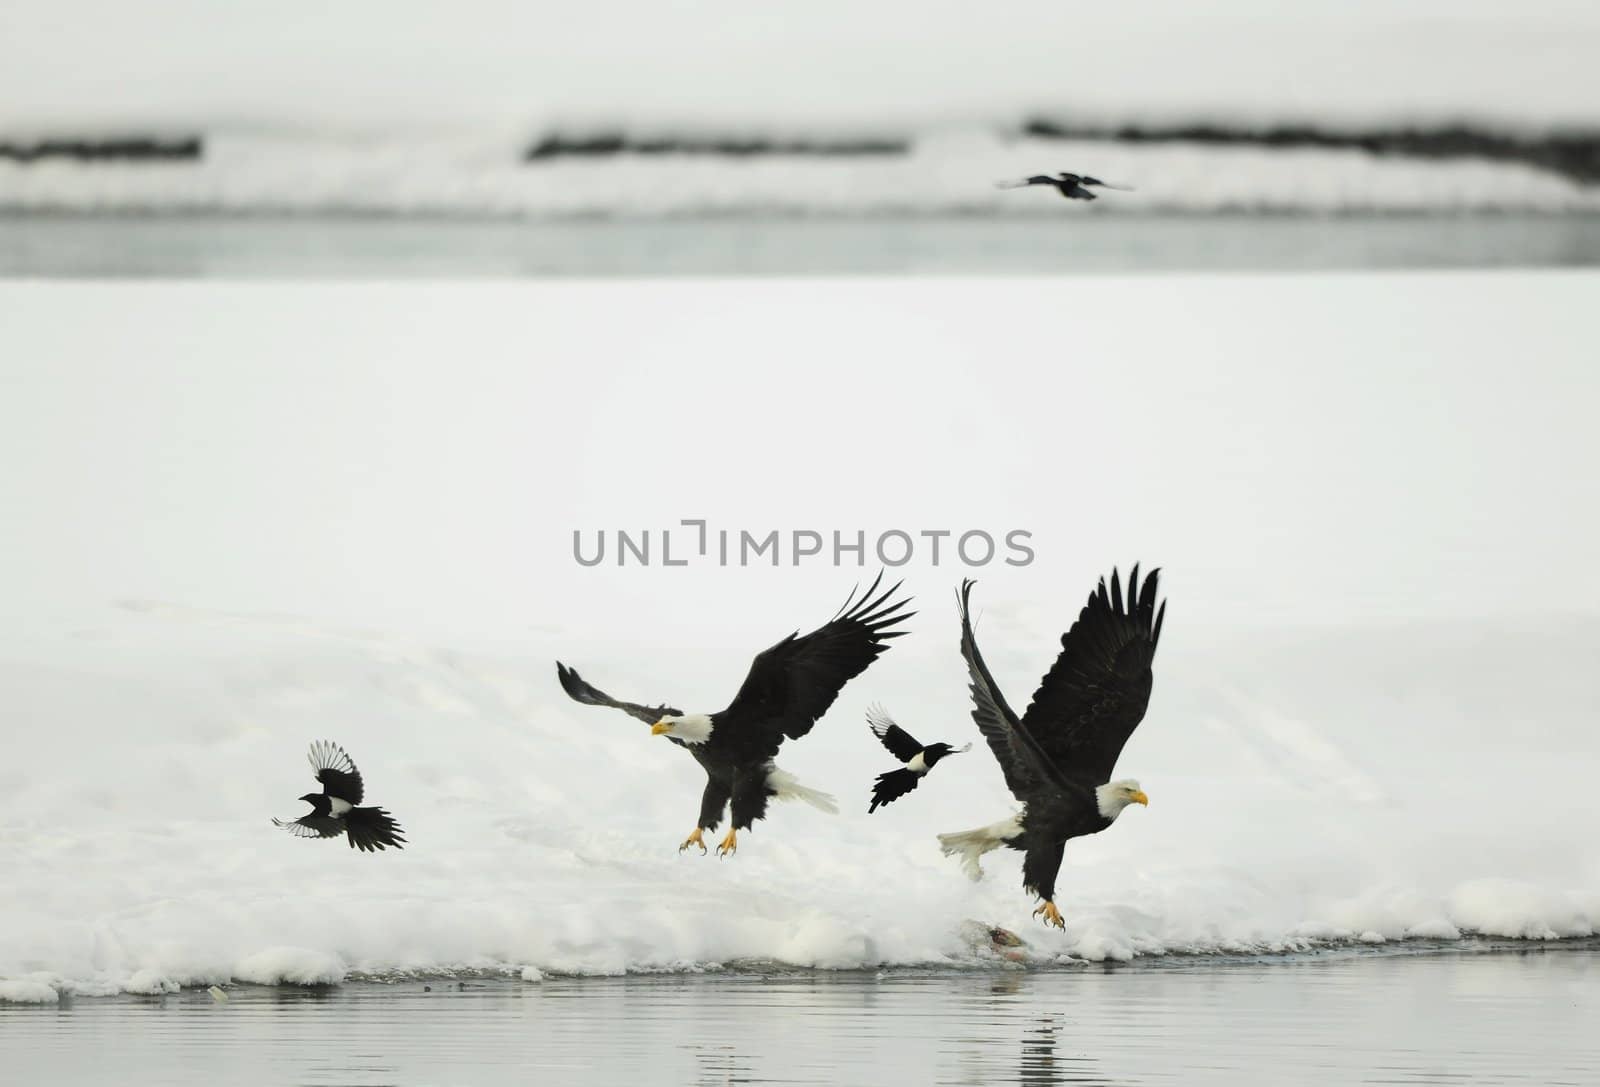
[[1113, 796], [691, 728]]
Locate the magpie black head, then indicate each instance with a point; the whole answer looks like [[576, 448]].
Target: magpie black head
[[934, 752], [1072, 178]]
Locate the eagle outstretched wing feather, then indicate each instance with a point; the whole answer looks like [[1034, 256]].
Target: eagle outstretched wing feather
[[581, 691], [1097, 691], [791, 684], [989, 710], [1027, 764]]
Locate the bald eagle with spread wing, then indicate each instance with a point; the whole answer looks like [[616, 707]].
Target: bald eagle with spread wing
[[789, 687], [1059, 755]]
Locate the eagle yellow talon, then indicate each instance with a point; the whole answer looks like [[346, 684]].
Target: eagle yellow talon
[[1052, 916], [694, 839], [729, 845]]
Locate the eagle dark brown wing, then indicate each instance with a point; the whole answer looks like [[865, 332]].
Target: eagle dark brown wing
[[1096, 693], [581, 691], [793, 683]]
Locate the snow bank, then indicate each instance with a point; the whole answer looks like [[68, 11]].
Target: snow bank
[[947, 172], [317, 530], [1522, 910], [544, 837]]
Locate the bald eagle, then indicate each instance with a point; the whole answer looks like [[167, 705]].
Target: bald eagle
[[1058, 757], [788, 688]]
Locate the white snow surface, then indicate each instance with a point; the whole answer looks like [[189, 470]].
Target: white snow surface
[[949, 171], [1373, 716], [1369, 806]]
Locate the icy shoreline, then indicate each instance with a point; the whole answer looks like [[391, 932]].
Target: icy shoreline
[[44, 988], [942, 172]]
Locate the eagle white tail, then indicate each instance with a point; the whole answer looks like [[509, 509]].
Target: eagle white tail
[[785, 787], [969, 845]]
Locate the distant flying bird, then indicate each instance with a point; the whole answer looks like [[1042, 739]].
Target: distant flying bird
[[1057, 758], [1071, 186], [788, 688], [917, 760], [334, 811]]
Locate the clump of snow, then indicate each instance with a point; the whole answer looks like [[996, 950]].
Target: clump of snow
[[1438, 929], [24, 991], [290, 966], [1522, 910], [149, 983], [1312, 932], [532, 973]]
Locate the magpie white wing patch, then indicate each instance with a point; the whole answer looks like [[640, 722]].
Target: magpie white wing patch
[[337, 772], [301, 829], [901, 744], [327, 755]]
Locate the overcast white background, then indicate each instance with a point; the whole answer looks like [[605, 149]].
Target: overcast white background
[[1306, 449], [502, 63]]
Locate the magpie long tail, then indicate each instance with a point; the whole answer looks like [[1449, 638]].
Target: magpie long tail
[[892, 786], [371, 829]]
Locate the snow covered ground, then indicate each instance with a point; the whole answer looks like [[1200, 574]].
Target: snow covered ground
[[248, 517], [948, 171]]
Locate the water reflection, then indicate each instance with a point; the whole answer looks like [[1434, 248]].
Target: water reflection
[[719, 1064], [211, 247], [1401, 1019], [1048, 1057], [1039, 1054]]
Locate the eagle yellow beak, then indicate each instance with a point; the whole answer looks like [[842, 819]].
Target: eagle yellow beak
[[1140, 798], [659, 727]]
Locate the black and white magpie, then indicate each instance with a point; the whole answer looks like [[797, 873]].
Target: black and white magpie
[[334, 811], [917, 760]]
